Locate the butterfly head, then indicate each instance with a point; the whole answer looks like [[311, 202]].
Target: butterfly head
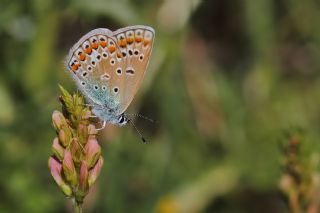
[[122, 120], [110, 115]]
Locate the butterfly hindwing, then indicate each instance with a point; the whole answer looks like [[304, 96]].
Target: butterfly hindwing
[[136, 43], [92, 61]]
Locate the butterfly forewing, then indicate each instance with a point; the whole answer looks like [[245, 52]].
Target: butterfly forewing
[[108, 66]]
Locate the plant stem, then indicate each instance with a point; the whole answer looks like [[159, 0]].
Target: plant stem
[[76, 206]]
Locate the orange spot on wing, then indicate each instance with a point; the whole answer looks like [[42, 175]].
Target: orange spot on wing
[[88, 50], [82, 57], [111, 49], [130, 40], [122, 43], [146, 42], [103, 43], [95, 45], [74, 67], [138, 39]]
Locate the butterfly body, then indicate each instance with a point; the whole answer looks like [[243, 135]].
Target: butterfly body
[[108, 68], [109, 116]]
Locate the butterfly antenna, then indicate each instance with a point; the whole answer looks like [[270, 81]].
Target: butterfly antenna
[[141, 116], [134, 126]]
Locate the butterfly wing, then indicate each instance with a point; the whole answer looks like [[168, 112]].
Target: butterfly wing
[[135, 43], [108, 66], [95, 61]]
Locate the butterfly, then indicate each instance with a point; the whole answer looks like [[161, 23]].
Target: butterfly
[[108, 67]]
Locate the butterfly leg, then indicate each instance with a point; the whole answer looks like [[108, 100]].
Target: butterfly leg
[[103, 126], [88, 105]]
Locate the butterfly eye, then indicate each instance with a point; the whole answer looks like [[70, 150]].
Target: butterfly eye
[[122, 119]]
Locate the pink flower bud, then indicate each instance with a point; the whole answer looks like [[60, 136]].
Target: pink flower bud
[[69, 168], [56, 169], [92, 152], [94, 173], [57, 149], [58, 120], [83, 180]]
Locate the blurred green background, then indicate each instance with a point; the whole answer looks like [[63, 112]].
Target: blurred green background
[[227, 80]]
